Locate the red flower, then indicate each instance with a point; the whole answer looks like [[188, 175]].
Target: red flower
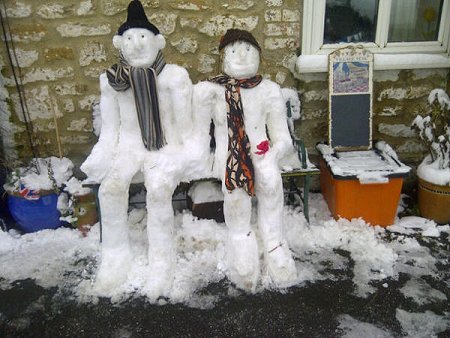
[[263, 147]]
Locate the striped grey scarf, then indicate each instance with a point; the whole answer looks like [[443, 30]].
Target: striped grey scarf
[[143, 84]]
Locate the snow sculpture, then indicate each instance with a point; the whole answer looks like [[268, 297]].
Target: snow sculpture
[[146, 118], [243, 106]]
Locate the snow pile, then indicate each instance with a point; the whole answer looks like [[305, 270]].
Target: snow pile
[[413, 259], [203, 192], [65, 259], [354, 328], [430, 172], [50, 171], [421, 292], [51, 257], [373, 259], [425, 324], [75, 187], [411, 225]]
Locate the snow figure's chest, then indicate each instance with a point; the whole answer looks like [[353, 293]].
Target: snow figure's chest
[[254, 108], [128, 112], [128, 109]]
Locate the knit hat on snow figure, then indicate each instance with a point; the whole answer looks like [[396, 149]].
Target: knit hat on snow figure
[[233, 35], [137, 19]]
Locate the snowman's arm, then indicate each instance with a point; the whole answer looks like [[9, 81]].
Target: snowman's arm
[[203, 104], [99, 161], [277, 122], [181, 97]]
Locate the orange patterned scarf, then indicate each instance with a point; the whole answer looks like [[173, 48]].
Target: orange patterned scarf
[[239, 171]]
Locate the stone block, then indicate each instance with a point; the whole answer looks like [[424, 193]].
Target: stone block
[[219, 24], [272, 15], [166, 22], [279, 43], [60, 53], [185, 45], [18, 10], [26, 58], [75, 30], [47, 74], [396, 130], [28, 33], [291, 15], [86, 103], [92, 52], [53, 11], [189, 5], [274, 3]]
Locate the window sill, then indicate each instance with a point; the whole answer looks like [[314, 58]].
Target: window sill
[[319, 63]]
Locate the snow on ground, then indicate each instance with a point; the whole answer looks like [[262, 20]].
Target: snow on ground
[[425, 324], [354, 328], [63, 258], [421, 292]]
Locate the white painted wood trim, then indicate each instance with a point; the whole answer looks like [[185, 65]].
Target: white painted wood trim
[[408, 55], [319, 63]]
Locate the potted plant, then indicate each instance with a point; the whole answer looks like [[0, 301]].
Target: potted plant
[[434, 171], [33, 192], [78, 206]]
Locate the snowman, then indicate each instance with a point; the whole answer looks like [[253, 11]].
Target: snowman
[[145, 109], [251, 134]]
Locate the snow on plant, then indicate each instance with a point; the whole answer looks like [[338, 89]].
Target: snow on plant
[[434, 128], [40, 174]]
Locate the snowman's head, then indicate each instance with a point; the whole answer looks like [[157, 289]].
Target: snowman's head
[[138, 39], [241, 54], [139, 46]]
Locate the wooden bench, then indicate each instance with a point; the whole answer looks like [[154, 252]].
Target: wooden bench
[[305, 172]]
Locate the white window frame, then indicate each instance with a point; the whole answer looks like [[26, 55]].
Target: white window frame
[[314, 52]]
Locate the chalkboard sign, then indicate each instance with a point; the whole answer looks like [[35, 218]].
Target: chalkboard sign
[[350, 99]]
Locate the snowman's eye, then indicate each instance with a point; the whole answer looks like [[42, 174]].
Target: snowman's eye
[[248, 48], [142, 36]]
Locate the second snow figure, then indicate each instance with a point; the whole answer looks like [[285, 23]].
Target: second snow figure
[[251, 134]]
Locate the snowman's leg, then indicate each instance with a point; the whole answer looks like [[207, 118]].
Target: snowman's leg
[[113, 199], [160, 183], [242, 255], [269, 192]]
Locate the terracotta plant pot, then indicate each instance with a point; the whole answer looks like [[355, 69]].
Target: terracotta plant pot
[[85, 210], [434, 201]]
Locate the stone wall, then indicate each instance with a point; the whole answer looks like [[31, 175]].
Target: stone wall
[[62, 47]]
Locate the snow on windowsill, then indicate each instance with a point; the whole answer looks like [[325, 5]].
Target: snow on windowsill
[[319, 63]]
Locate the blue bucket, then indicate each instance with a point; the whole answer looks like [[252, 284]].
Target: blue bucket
[[35, 215]]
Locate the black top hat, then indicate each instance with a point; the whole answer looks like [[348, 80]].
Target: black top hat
[[137, 19], [233, 35]]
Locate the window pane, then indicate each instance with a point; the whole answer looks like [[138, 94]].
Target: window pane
[[414, 20], [350, 21]]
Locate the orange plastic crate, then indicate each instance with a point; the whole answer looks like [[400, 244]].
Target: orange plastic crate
[[348, 198]]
